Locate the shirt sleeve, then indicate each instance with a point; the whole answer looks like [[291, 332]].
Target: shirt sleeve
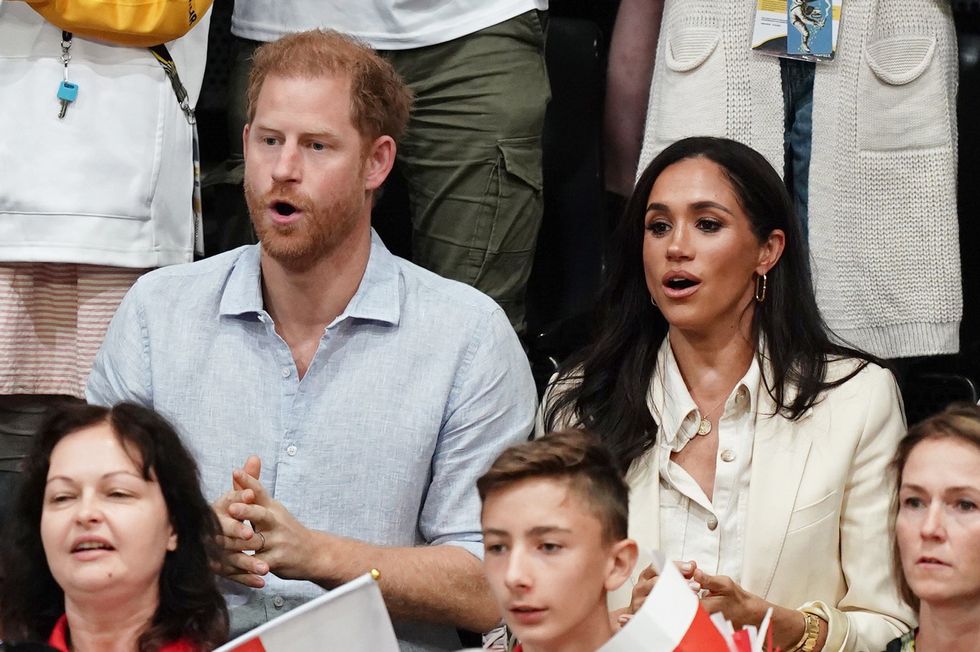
[[121, 371], [491, 406], [870, 613]]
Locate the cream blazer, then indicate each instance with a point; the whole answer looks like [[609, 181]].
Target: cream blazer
[[817, 531]]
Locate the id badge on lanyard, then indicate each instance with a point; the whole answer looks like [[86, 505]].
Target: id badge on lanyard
[[797, 29]]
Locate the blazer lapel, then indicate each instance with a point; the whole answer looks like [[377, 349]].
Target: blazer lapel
[[643, 479], [644, 519], [779, 456]]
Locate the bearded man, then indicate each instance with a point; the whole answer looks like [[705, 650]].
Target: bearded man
[[352, 397]]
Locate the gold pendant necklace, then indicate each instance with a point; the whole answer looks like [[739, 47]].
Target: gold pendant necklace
[[705, 426]]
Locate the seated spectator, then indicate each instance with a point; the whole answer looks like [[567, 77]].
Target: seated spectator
[[937, 531], [373, 391], [754, 443], [110, 542], [554, 531], [471, 154]]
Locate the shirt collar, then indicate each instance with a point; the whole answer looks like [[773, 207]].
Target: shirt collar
[[59, 639], [378, 296], [675, 409]]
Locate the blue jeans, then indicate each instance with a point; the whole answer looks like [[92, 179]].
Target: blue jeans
[[797, 77]]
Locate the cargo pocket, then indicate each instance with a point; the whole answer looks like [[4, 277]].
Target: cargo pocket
[[512, 214], [691, 93], [902, 101], [521, 158]]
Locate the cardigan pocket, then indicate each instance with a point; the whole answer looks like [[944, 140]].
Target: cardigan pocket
[[902, 101], [690, 95]]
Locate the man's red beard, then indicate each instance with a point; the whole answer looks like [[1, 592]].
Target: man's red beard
[[299, 245]]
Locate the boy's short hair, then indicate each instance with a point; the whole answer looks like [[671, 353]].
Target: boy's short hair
[[574, 455], [380, 100]]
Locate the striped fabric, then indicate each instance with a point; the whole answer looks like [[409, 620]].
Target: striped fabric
[[53, 317]]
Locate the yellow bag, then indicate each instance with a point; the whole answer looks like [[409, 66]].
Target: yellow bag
[[141, 23]]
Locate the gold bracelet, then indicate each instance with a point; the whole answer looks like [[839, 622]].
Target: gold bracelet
[[811, 632]]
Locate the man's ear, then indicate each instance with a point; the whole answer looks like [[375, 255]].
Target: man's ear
[[245, 139], [622, 559], [378, 161]]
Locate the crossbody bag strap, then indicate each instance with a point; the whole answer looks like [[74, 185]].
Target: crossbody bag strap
[[162, 55]]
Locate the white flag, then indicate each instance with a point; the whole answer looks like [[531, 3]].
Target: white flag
[[352, 618]]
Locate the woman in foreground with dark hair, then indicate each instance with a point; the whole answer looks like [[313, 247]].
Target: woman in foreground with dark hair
[[754, 445], [111, 539], [937, 531]]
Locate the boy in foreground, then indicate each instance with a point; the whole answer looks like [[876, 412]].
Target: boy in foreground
[[554, 531]]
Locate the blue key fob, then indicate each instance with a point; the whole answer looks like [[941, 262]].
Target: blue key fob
[[67, 91]]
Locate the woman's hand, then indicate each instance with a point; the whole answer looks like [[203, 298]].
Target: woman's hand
[[721, 593], [648, 578]]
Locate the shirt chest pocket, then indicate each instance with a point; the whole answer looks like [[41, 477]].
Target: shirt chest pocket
[[671, 498]]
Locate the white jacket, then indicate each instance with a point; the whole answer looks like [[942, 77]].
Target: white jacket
[[817, 527], [112, 182], [817, 530], [882, 194]]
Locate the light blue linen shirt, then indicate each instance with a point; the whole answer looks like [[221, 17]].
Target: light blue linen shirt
[[413, 392]]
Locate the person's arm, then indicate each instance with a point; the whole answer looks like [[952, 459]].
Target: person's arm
[[121, 371], [491, 407], [870, 613], [631, 59], [721, 593], [441, 583]]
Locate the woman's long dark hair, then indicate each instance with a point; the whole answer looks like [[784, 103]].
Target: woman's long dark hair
[[191, 607], [604, 386]]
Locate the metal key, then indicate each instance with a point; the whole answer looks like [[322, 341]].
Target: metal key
[[67, 92]]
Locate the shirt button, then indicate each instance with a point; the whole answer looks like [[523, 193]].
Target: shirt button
[[286, 372], [291, 450], [278, 602], [712, 523], [728, 455]]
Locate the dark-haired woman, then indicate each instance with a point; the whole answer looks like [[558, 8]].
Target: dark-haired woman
[[755, 446], [111, 540], [937, 531]]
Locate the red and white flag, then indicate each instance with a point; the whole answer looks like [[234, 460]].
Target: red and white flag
[[351, 618], [670, 620]]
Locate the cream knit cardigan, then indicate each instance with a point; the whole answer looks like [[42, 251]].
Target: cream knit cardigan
[[882, 196]]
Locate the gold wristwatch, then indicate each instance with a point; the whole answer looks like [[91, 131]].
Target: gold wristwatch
[[810, 634]]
